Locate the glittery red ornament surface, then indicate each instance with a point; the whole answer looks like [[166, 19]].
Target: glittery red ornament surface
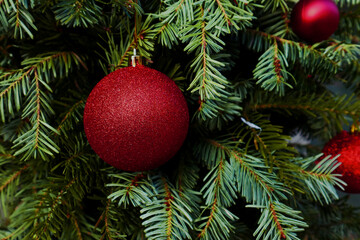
[[314, 20], [136, 118], [348, 145]]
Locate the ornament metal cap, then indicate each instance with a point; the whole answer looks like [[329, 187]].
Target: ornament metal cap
[[135, 59]]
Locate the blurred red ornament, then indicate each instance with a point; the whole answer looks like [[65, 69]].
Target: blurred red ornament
[[136, 118], [315, 20], [348, 145]]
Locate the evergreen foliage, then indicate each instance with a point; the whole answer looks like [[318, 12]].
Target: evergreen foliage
[[249, 82]]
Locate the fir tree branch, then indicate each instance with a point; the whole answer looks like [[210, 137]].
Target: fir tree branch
[[7, 156], [329, 111], [167, 216], [127, 52], [9, 236], [19, 18], [168, 202], [216, 191], [75, 13], [262, 189], [210, 219], [220, 185], [134, 188], [276, 220], [312, 59], [57, 202], [76, 224], [304, 107], [277, 24], [34, 140], [13, 177], [217, 225], [53, 204], [186, 177], [320, 180], [272, 145], [208, 81], [142, 40], [274, 5], [106, 219], [78, 106], [270, 70], [348, 3], [112, 229], [38, 111], [279, 221], [223, 12], [265, 183]]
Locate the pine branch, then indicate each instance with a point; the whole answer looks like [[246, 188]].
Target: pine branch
[[52, 210], [227, 16], [349, 3], [249, 171], [329, 110], [338, 220], [76, 158], [74, 114], [167, 216], [112, 229], [314, 60], [208, 81], [259, 186], [270, 71], [14, 83], [24, 210], [28, 82], [343, 53], [269, 142], [219, 192], [349, 21], [35, 141], [219, 186], [320, 180], [129, 7], [79, 226], [275, 4], [107, 229], [277, 24], [142, 38], [279, 221], [131, 188], [215, 113], [180, 12], [201, 33], [75, 13], [76, 224], [16, 15], [274, 147], [12, 178], [217, 225], [186, 179]]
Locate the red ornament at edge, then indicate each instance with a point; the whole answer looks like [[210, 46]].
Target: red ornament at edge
[[348, 145], [315, 20], [136, 118]]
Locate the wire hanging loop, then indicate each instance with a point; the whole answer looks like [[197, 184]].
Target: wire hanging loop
[[252, 125], [135, 59]]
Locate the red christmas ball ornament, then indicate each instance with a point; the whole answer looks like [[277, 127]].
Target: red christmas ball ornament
[[348, 145], [315, 20], [136, 118]]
